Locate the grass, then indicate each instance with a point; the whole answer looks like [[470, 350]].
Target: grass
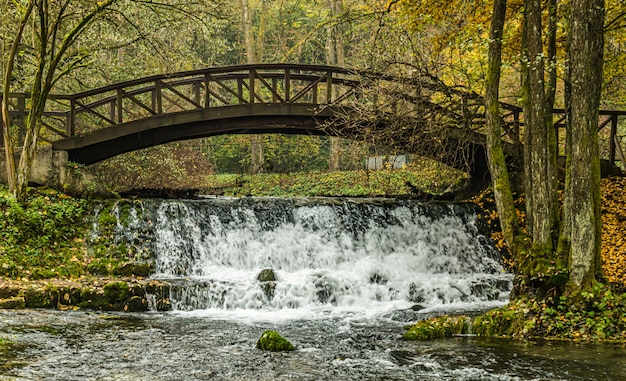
[[431, 179]]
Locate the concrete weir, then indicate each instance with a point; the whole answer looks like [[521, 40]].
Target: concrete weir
[[52, 168]]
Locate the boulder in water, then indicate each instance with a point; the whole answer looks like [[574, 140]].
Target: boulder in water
[[272, 341], [266, 275]]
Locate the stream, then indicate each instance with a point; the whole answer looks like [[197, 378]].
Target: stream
[[346, 276]]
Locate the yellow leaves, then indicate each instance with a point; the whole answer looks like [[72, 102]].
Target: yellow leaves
[[614, 230]]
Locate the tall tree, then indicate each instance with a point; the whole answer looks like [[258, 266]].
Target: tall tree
[[335, 55], [253, 54], [495, 152], [56, 26], [585, 65], [6, 118]]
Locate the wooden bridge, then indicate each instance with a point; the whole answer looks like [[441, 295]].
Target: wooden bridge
[[97, 124]]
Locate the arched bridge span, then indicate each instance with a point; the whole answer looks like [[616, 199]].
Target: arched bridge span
[[246, 99], [97, 124]]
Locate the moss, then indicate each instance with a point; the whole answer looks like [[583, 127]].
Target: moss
[[272, 341], [504, 321], [35, 297], [14, 303], [438, 327], [116, 292], [133, 268]]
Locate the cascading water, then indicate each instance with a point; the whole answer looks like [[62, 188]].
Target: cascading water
[[326, 255]]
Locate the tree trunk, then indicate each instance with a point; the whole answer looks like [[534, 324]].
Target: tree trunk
[[540, 149], [335, 55], [6, 118], [495, 154], [586, 59], [256, 141]]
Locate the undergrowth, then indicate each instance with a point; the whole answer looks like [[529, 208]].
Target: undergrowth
[[42, 238]]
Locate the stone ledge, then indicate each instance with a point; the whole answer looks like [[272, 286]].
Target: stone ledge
[[108, 294]]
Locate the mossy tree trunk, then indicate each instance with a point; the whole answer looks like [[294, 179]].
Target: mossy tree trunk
[[586, 59], [560, 253], [542, 222], [6, 118], [495, 154]]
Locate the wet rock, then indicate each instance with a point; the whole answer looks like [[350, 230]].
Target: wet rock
[[416, 294], [163, 305], [136, 304], [378, 279], [269, 289], [272, 341], [13, 303], [116, 293], [133, 268], [266, 275], [325, 291]]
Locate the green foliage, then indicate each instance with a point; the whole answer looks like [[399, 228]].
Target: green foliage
[[596, 315], [272, 341], [43, 237], [400, 182], [175, 165], [438, 327]]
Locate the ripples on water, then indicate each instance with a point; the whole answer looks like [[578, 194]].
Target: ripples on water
[[51, 345]]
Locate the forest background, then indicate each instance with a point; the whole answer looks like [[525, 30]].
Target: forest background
[[447, 41]]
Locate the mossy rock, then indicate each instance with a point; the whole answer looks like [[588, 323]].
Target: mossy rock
[[116, 292], [103, 266], [38, 298], [438, 327], [133, 268], [266, 275], [272, 341], [13, 303], [8, 291], [136, 304]]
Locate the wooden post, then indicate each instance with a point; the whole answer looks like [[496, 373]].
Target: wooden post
[[251, 85], [329, 87], [207, 98], [69, 122], [239, 90], [159, 99], [120, 105], [275, 90], [287, 86], [613, 140], [196, 91]]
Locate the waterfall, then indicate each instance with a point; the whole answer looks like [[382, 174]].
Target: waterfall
[[323, 252]]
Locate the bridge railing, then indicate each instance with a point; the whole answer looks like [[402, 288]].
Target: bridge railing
[[124, 102]]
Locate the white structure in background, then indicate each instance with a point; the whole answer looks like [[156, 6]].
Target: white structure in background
[[387, 161]]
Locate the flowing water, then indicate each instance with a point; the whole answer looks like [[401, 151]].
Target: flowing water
[[346, 276]]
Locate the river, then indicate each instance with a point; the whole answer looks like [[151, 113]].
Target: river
[[347, 276]]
